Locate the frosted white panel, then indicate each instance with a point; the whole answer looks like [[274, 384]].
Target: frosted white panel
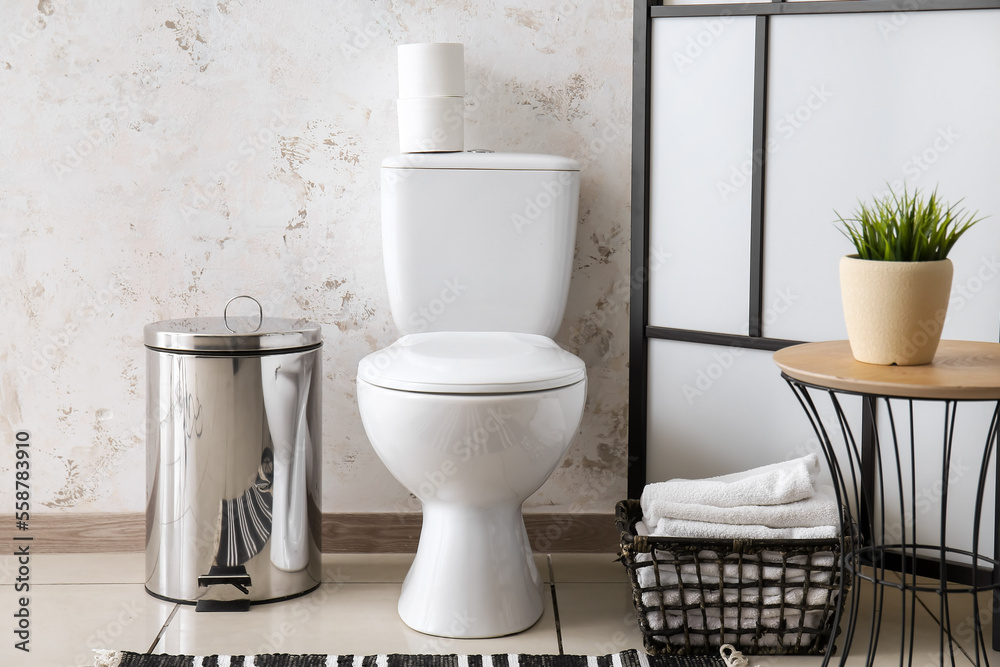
[[701, 138], [859, 101], [715, 410], [971, 426]]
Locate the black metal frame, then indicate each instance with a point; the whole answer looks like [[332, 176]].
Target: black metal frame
[[640, 329]]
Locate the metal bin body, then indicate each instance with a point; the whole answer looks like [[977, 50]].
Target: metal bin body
[[233, 455]]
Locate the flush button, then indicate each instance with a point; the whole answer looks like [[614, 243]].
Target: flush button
[[479, 150]]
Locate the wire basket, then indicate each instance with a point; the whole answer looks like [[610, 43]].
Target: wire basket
[[773, 597]]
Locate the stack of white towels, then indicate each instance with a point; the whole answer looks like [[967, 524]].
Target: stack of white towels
[[779, 501]]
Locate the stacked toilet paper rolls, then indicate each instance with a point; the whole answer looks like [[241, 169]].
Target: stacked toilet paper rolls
[[431, 104]]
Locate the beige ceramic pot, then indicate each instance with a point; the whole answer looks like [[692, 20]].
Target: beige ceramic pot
[[894, 310]]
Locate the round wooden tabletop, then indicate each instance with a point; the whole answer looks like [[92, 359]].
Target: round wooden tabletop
[[963, 370]]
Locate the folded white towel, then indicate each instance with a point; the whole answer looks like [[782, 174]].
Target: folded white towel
[[748, 620], [772, 596], [774, 484], [703, 530], [820, 510], [707, 574]]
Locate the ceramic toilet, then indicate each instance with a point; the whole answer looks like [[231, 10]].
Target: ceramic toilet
[[473, 408]]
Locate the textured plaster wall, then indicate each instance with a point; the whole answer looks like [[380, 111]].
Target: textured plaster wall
[[157, 158]]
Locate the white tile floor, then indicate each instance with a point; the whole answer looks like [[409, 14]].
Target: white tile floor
[[79, 602]]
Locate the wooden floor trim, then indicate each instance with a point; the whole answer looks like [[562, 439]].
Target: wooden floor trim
[[341, 533]]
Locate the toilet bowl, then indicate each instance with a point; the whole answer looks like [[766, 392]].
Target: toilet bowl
[[472, 444], [475, 405]]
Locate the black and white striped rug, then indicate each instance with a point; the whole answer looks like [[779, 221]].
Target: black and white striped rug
[[624, 659]]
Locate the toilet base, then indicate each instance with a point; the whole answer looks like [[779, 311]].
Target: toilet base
[[474, 575]]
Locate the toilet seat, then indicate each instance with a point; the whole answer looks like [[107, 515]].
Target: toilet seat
[[472, 362]]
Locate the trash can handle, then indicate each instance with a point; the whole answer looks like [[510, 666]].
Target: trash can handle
[[260, 312]]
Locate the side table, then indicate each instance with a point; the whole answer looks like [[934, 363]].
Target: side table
[[862, 465]]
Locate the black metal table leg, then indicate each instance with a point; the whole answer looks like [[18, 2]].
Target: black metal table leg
[[891, 557]]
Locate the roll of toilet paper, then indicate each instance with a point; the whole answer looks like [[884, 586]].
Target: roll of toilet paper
[[431, 124], [433, 69]]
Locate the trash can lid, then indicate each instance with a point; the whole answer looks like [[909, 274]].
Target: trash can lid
[[228, 334]]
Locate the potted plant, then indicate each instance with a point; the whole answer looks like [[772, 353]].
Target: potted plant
[[896, 288]]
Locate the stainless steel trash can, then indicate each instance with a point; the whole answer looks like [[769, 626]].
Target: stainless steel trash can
[[233, 456]]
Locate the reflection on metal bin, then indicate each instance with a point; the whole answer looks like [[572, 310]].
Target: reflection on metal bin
[[233, 460]]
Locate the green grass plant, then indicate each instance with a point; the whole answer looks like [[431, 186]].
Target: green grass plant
[[906, 228]]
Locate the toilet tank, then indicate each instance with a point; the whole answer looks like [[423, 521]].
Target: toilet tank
[[479, 241]]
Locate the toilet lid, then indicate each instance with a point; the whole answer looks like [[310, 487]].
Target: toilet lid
[[472, 362]]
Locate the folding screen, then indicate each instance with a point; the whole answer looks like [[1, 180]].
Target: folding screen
[[754, 123]]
